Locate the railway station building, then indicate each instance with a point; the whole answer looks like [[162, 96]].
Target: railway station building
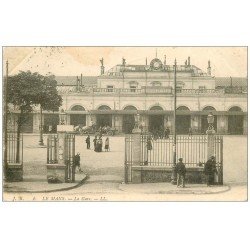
[[126, 92]]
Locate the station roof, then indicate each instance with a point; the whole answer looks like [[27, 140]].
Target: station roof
[[226, 81], [72, 80]]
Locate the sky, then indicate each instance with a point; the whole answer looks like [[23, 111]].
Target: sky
[[72, 61]]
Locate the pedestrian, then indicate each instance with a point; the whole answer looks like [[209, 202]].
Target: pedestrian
[[88, 142], [95, 142], [149, 143], [210, 170], [167, 132], [76, 162], [107, 144], [181, 173], [99, 144]]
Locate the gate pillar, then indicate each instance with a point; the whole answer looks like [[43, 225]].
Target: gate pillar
[[136, 174], [211, 147], [58, 172], [210, 143]]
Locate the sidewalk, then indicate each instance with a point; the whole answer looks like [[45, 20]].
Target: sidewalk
[[168, 188], [39, 184]]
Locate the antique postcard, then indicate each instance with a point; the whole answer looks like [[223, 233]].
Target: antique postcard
[[125, 124]]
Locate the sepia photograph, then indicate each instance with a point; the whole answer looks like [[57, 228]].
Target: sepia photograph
[[125, 123]]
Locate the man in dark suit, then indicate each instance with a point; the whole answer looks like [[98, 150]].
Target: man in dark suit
[[76, 162], [210, 170], [181, 173]]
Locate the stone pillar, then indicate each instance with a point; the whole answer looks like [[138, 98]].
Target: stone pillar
[[210, 143], [58, 172], [210, 151], [113, 121], [88, 120], [245, 125], [119, 123], [136, 137]]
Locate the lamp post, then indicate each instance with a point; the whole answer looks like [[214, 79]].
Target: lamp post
[[174, 177], [210, 120], [41, 127]]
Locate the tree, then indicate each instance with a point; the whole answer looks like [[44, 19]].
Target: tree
[[27, 90], [48, 99]]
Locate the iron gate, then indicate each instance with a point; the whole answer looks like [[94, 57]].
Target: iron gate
[[69, 153], [14, 148], [193, 149]]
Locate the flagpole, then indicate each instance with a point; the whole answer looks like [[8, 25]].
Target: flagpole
[[174, 130]]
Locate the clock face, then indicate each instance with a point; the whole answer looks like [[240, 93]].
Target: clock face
[[156, 64]]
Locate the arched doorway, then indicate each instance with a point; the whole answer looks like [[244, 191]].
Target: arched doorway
[[156, 122], [204, 123], [128, 122], [104, 119], [78, 119], [183, 122], [235, 121]]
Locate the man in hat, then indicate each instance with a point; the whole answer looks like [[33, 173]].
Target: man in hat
[[210, 170], [76, 162], [181, 173]]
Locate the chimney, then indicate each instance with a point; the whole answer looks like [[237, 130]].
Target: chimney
[[146, 61], [186, 63], [189, 61], [81, 79], [209, 68], [77, 83]]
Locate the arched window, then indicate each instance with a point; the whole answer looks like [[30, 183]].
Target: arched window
[[156, 108], [77, 108], [235, 109], [209, 108], [182, 108], [104, 107], [130, 107], [235, 121]]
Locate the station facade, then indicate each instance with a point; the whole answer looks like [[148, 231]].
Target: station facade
[[124, 93]]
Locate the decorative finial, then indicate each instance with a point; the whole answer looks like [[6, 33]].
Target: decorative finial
[[123, 61], [156, 53], [101, 61], [165, 60], [146, 61]]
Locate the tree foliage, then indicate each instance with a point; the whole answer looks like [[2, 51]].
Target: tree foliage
[[26, 90]]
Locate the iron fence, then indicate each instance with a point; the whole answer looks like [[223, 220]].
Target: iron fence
[[69, 156], [52, 145], [14, 148], [159, 152]]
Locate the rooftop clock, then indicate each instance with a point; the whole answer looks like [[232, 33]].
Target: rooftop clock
[[156, 64]]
